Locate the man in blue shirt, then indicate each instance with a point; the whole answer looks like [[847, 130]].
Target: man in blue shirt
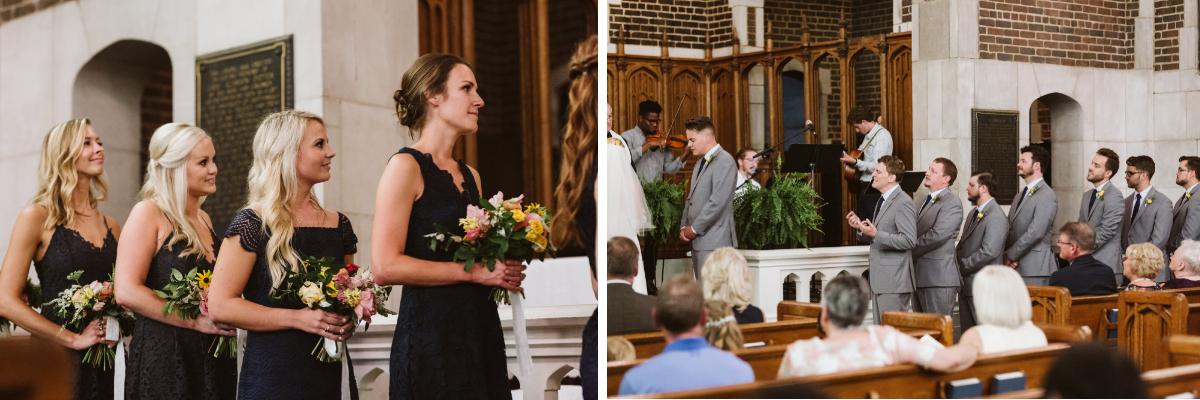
[[688, 361]]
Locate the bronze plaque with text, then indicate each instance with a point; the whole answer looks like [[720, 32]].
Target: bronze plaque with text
[[994, 147], [235, 89]]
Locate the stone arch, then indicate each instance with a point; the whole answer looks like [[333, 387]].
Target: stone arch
[[1069, 154], [126, 90], [791, 96], [809, 294], [554, 381], [789, 286], [829, 115], [374, 385]]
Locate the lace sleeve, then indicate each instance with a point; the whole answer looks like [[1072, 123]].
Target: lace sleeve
[[349, 239], [248, 227]]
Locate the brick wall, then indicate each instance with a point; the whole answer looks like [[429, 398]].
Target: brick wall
[[1079, 33], [906, 11], [13, 9], [1168, 19], [685, 21], [156, 110], [870, 17], [786, 22], [833, 102], [1039, 119]]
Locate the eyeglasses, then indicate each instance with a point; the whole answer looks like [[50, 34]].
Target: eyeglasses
[[651, 121], [1132, 173], [1066, 244]]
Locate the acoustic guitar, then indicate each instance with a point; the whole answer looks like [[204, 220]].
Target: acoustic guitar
[[851, 174]]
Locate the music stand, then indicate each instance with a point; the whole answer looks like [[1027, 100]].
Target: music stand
[[912, 181], [813, 158]]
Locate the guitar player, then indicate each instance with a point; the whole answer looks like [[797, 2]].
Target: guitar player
[[877, 143]]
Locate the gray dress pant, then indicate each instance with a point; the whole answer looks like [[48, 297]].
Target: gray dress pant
[[698, 258], [936, 300], [885, 302]]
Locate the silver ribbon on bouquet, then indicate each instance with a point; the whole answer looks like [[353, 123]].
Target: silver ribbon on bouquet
[[524, 358]]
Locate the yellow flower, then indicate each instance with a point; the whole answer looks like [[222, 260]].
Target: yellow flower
[[323, 269], [979, 215], [531, 237], [532, 207], [332, 289], [542, 243], [1150, 200], [1100, 195], [518, 215], [310, 294], [537, 227], [353, 297], [203, 279], [468, 223]]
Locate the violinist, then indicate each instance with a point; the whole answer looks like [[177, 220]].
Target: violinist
[[651, 155], [877, 143]]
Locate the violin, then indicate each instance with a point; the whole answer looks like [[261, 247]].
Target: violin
[[672, 140]]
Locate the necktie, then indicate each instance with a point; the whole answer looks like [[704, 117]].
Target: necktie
[[1022, 198], [700, 168], [973, 220], [1093, 202], [927, 200], [1137, 204], [878, 205]]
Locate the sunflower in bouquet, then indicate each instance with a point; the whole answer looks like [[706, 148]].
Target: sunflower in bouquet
[[343, 289], [80, 304], [187, 296], [497, 229], [32, 296]]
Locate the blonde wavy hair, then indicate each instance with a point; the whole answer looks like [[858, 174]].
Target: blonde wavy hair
[[721, 330], [578, 145], [727, 279], [58, 175], [273, 182], [166, 182], [1145, 260], [620, 349]]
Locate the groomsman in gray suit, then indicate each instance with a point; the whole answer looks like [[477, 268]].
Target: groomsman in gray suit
[[708, 213], [892, 236], [1147, 212], [1185, 220], [1102, 208], [982, 242], [1031, 220], [938, 220]]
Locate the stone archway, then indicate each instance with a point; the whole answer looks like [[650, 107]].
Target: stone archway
[[126, 90], [1061, 132]]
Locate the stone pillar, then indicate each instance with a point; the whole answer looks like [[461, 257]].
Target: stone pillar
[[1143, 36], [741, 15], [1188, 37]]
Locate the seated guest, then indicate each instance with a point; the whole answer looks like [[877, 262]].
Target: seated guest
[[1185, 263], [727, 279], [1093, 371], [722, 331], [688, 361], [849, 346], [1086, 276], [1142, 262], [1003, 310], [620, 349], [628, 311]]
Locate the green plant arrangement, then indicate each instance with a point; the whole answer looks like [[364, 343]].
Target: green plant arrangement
[[778, 217], [665, 201]]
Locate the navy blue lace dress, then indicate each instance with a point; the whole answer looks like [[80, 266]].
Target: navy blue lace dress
[[280, 364], [169, 362], [448, 342], [69, 252]]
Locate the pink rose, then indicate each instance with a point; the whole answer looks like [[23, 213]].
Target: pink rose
[[496, 200], [477, 214], [99, 306], [366, 306], [472, 235], [203, 308]]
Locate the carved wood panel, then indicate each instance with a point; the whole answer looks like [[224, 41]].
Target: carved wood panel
[[724, 111], [642, 85], [899, 114], [687, 91]]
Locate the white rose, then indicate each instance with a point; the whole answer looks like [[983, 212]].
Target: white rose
[[310, 293]]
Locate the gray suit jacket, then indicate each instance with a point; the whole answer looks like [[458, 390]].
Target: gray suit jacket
[[1105, 219], [709, 206], [1185, 221], [891, 248], [933, 254], [982, 243], [1153, 222], [1031, 231]]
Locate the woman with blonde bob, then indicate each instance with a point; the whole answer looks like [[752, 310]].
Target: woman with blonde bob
[[1003, 310], [726, 278], [1143, 262], [282, 224], [167, 232], [62, 232], [448, 341]]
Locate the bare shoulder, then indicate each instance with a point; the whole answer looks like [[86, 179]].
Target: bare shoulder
[[34, 213]]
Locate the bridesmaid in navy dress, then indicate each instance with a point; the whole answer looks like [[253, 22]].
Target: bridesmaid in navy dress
[[170, 357], [448, 342], [282, 223], [61, 233]]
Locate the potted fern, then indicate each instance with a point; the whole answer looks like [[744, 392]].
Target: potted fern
[[779, 217], [665, 201]]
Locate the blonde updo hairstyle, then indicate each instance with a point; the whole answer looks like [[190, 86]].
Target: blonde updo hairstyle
[[726, 278], [426, 77], [1145, 260], [721, 330], [58, 175], [273, 182], [166, 181]]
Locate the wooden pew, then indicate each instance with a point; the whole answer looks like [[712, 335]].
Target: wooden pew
[[1050, 304], [789, 310], [1184, 349], [1172, 381], [35, 369], [908, 322], [899, 381], [1147, 319], [646, 345], [1065, 333], [1056, 305]]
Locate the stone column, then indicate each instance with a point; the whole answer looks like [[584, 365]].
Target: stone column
[[1143, 36], [741, 15]]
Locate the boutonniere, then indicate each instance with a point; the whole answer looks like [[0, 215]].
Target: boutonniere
[[1149, 199], [614, 141], [1188, 196], [1100, 195], [979, 215], [935, 198], [1033, 190]]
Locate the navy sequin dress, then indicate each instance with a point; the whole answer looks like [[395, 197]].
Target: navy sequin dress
[[280, 364], [448, 342], [169, 362], [69, 252]]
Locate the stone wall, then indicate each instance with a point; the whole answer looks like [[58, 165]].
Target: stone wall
[[685, 22], [13, 9], [156, 110], [1168, 19], [1080, 33]]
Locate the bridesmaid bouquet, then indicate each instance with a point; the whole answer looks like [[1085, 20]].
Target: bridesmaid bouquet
[[343, 289], [32, 295], [187, 296], [80, 304], [497, 229]]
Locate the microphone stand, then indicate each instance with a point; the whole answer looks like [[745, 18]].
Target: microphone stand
[[769, 153]]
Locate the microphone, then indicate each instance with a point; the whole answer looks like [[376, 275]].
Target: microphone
[[808, 125]]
